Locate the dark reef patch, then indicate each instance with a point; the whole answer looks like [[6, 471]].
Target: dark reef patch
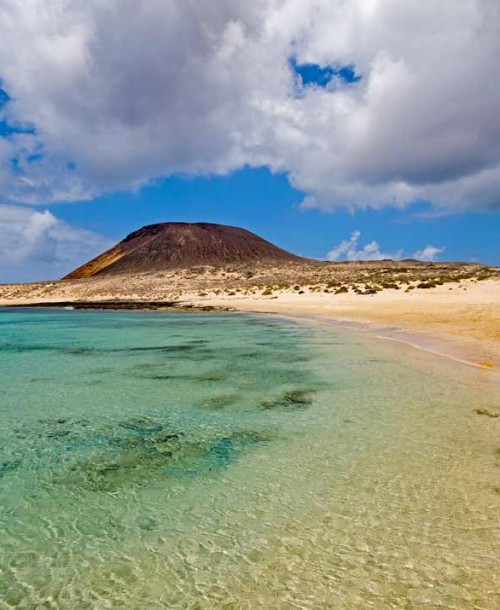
[[223, 450], [163, 376], [293, 399], [8, 466], [19, 348], [162, 348], [487, 413], [196, 348], [105, 455], [78, 351]]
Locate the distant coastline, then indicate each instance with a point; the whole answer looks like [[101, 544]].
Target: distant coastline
[[119, 305]]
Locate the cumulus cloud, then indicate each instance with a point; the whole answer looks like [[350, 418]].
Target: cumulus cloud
[[36, 245], [111, 95], [428, 254], [350, 250]]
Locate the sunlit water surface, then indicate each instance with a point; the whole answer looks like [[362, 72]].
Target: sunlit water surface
[[200, 461]]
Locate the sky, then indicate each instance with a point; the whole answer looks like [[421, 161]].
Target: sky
[[338, 129]]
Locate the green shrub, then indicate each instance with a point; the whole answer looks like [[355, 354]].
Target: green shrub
[[484, 275]]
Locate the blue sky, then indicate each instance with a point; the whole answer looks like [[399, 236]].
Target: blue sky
[[267, 204], [340, 131]]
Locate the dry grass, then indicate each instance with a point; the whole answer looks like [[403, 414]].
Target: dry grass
[[363, 278]]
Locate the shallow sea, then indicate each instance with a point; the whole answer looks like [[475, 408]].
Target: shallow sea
[[206, 461]]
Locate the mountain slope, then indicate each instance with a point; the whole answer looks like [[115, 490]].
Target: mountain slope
[[171, 245]]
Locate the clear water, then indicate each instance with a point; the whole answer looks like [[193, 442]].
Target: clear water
[[200, 461]]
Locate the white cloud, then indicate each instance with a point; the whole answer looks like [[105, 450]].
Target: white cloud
[[428, 254], [121, 92], [36, 245], [350, 250]]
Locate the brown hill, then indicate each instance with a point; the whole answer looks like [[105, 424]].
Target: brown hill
[[171, 245]]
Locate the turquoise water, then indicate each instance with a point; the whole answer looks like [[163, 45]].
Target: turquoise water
[[152, 460]]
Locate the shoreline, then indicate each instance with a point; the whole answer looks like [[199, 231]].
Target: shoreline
[[460, 322], [432, 343], [408, 340]]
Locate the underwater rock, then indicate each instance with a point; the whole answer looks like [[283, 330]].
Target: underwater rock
[[57, 428], [487, 413], [58, 433], [6, 467], [106, 468], [142, 451], [141, 425], [291, 399], [166, 436]]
